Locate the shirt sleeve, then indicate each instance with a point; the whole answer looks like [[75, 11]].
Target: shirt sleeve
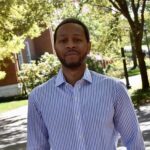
[[37, 134], [125, 120]]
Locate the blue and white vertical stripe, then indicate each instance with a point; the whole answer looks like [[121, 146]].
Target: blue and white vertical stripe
[[88, 116]]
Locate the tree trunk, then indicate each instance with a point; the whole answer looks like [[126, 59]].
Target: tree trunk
[[133, 52], [134, 58], [143, 71], [142, 65]]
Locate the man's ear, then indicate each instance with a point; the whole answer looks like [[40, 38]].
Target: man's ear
[[54, 49], [89, 47]]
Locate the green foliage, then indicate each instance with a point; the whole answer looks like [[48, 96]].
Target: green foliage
[[140, 97], [146, 35], [19, 20], [2, 75], [116, 68], [133, 72], [106, 28], [94, 64], [34, 74]]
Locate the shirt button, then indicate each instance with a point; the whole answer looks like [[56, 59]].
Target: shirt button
[[77, 117], [76, 98], [81, 137], [79, 86]]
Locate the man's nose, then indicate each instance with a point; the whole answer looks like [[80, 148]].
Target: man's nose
[[70, 44]]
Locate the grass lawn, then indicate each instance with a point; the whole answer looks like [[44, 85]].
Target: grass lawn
[[136, 71], [139, 96], [6, 106]]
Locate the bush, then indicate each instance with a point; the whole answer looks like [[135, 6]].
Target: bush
[[115, 69], [140, 97], [2, 75], [94, 64], [34, 74]]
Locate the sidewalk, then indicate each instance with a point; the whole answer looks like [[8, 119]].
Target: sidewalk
[[134, 81], [13, 129], [13, 125]]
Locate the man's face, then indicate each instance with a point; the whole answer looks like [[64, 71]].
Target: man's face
[[71, 45]]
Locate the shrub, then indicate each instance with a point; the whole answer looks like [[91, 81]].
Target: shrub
[[115, 69], [2, 75], [34, 74], [94, 64], [140, 97]]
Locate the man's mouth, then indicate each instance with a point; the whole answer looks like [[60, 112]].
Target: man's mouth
[[71, 53]]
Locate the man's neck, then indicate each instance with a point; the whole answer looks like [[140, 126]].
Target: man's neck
[[73, 75]]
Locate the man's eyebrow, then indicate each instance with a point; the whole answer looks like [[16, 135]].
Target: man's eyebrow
[[75, 34]]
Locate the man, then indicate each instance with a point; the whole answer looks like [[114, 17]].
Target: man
[[79, 109]]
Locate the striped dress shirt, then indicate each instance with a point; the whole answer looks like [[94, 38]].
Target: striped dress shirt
[[86, 116]]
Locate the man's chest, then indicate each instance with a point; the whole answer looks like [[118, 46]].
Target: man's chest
[[64, 110]]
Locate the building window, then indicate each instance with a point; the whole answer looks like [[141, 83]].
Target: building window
[[20, 59], [28, 53]]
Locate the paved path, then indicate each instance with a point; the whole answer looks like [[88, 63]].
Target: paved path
[[134, 81], [13, 127], [144, 119]]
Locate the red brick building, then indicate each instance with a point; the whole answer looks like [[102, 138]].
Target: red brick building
[[10, 85]]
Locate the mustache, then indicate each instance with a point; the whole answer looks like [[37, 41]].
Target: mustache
[[71, 51]]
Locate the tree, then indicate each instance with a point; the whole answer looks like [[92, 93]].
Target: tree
[[105, 34], [19, 20], [146, 39], [133, 11], [133, 52]]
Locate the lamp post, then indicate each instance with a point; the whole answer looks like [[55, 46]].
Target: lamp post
[[125, 69]]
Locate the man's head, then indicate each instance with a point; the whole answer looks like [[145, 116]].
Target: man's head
[[72, 42], [75, 21]]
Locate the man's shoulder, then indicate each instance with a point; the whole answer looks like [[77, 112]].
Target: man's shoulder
[[102, 76], [97, 77], [49, 84], [100, 80]]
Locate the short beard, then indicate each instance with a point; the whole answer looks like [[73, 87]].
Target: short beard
[[73, 66]]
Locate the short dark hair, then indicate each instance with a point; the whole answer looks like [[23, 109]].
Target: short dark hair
[[76, 21]]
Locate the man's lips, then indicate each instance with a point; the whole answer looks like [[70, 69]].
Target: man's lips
[[72, 52]]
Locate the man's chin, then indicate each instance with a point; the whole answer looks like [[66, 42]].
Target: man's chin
[[72, 65]]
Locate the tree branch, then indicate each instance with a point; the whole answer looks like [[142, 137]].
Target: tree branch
[[142, 12], [81, 4], [138, 4], [134, 10], [115, 5], [123, 8], [106, 8]]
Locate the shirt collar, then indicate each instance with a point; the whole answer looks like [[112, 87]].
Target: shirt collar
[[60, 77], [87, 76]]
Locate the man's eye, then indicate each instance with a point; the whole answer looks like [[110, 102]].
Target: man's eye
[[63, 41], [77, 40]]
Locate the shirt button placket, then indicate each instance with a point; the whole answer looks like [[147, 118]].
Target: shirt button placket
[[78, 120]]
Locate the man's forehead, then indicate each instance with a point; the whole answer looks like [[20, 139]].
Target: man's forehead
[[70, 28], [73, 34]]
